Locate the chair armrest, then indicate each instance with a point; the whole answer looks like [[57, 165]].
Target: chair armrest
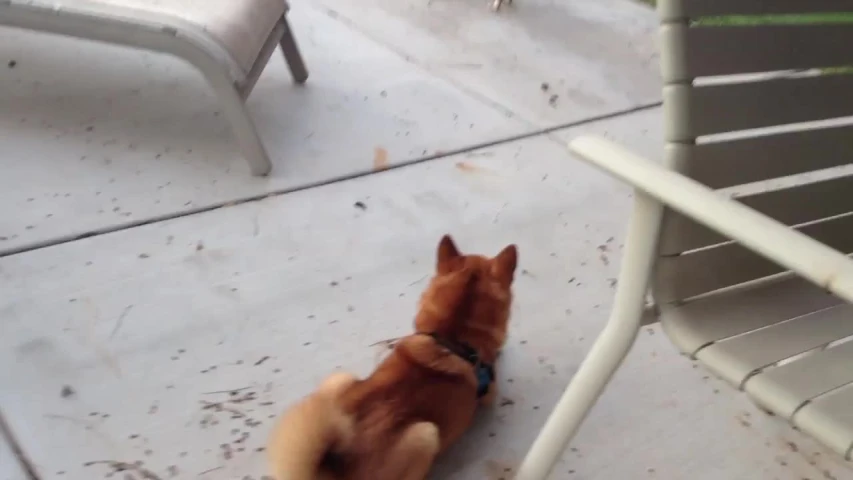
[[797, 252]]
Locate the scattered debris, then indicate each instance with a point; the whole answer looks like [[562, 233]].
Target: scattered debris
[[553, 100], [380, 159], [544, 87], [227, 451], [231, 392], [527, 273], [199, 246], [506, 402], [120, 320], [360, 205], [144, 255], [12, 63], [262, 360], [388, 343], [211, 470], [135, 467], [67, 391]]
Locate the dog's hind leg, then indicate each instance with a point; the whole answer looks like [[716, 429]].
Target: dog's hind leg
[[412, 456]]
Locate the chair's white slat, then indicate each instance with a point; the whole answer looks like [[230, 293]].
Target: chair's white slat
[[792, 206], [710, 51], [694, 273], [698, 323], [678, 9], [734, 359], [830, 419], [795, 250], [745, 160], [694, 111], [784, 389]]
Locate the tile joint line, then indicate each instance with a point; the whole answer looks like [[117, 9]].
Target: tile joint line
[[329, 181]]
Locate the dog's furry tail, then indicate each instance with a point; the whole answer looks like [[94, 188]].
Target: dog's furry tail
[[306, 434]]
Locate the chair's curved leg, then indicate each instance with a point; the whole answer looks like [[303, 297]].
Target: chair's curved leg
[[241, 123], [292, 55], [609, 349]]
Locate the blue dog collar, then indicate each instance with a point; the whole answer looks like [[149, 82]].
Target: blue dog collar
[[484, 373]]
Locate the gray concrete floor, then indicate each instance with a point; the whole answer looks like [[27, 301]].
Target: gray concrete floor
[[119, 346]]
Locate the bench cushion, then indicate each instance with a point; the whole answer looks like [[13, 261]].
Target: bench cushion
[[241, 26]]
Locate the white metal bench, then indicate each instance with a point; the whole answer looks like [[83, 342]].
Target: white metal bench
[[229, 41], [757, 289]]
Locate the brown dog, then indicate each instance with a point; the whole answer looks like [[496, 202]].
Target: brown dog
[[421, 398]]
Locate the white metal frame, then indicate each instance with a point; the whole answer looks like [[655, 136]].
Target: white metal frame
[[171, 35], [656, 186]]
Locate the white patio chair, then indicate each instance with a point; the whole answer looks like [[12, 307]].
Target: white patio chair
[[230, 41], [769, 312]]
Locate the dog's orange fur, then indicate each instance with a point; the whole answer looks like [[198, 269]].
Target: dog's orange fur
[[420, 399]]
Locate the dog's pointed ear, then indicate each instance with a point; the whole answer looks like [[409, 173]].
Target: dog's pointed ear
[[447, 252], [504, 264]]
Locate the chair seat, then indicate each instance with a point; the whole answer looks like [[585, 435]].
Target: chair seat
[[240, 26], [788, 344]]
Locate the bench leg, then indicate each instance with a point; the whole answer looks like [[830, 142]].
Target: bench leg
[[292, 55], [241, 124], [609, 349]]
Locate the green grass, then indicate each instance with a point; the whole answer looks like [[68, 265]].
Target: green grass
[[787, 19], [800, 19], [792, 19], [839, 18]]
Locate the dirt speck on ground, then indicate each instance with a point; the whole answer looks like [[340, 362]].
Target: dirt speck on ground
[[67, 391], [360, 205], [127, 468], [498, 470], [380, 159]]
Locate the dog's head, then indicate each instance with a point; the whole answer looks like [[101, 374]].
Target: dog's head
[[470, 296]]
